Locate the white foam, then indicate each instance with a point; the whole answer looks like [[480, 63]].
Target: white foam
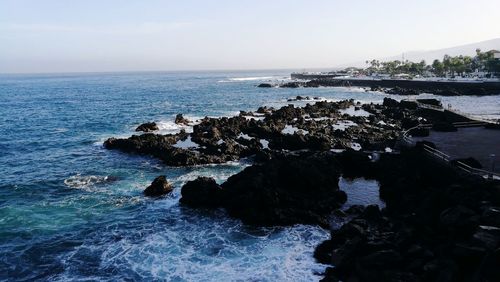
[[251, 78], [353, 112], [199, 249], [84, 182], [254, 117], [343, 124], [290, 129], [265, 143], [245, 136], [186, 144], [355, 146]]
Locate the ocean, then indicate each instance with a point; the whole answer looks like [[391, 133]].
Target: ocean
[[72, 210]]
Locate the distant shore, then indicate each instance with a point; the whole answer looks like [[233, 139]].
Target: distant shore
[[400, 86]]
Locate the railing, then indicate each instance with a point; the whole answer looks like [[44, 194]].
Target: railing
[[446, 158], [456, 111]]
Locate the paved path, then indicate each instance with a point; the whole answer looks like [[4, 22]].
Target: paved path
[[476, 142]]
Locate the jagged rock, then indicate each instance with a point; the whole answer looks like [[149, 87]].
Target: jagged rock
[[158, 187], [179, 119], [391, 103], [265, 85], [201, 192], [285, 191], [147, 127]]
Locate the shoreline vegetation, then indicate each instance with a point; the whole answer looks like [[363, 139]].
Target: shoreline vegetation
[[439, 223], [453, 76]]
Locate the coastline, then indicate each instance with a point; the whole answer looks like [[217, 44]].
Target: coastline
[[287, 184], [401, 86]]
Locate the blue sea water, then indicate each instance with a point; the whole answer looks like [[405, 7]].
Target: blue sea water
[[69, 209]]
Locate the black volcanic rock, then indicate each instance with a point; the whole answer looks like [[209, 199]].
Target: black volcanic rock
[[265, 85], [179, 119], [438, 224], [147, 127], [158, 187], [284, 190], [201, 192]]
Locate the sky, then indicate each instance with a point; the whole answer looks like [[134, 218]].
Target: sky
[[125, 35]]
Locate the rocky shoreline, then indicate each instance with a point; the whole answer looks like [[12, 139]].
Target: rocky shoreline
[[320, 126], [438, 224], [400, 87]]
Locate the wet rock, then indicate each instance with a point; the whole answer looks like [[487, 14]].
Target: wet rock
[[391, 103], [265, 85], [179, 119], [402, 91], [201, 192], [293, 84], [438, 224], [158, 187], [285, 191], [147, 127]]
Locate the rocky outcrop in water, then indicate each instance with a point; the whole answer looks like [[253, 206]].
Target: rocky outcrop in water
[[147, 127], [158, 187], [265, 85], [285, 190], [321, 126], [180, 119], [202, 192]]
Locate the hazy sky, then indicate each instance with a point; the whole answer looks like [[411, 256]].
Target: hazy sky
[[121, 35]]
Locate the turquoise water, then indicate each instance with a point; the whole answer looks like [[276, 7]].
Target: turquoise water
[[69, 209]]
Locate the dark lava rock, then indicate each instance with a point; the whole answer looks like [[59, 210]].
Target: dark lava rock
[[158, 187], [201, 192], [179, 119], [438, 225], [403, 91], [147, 127], [285, 191], [391, 103], [292, 84], [265, 85]]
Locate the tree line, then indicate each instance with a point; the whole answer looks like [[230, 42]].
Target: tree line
[[450, 66]]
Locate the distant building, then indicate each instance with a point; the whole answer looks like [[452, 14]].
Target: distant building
[[496, 54]]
